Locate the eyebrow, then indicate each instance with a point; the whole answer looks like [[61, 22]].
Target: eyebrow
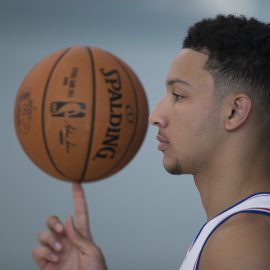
[[173, 81]]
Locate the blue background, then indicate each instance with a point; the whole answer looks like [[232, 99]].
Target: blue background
[[142, 217]]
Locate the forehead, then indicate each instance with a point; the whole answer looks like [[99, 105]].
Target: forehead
[[188, 65]]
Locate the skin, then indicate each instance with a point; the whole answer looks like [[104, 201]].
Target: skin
[[219, 142], [69, 246]]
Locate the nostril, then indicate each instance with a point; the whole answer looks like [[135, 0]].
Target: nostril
[[154, 120]]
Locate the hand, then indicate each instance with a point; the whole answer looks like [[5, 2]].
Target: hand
[[69, 246]]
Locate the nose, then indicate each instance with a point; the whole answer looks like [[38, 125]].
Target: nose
[[158, 116]]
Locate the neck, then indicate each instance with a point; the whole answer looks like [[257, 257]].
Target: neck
[[233, 176]]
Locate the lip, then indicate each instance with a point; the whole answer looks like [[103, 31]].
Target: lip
[[163, 142]]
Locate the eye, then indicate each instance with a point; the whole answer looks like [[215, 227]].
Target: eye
[[177, 97]]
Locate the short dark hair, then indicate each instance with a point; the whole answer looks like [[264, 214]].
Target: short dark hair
[[239, 55]]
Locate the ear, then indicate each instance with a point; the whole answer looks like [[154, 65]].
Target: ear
[[239, 109]]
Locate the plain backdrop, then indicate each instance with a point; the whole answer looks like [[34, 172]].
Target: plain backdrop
[[142, 217]]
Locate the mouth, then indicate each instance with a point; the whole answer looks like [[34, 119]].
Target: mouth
[[163, 142]]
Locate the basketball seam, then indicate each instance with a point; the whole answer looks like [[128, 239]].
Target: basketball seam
[[86, 164], [43, 113]]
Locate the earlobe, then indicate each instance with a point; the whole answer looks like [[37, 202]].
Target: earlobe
[[239, 110]]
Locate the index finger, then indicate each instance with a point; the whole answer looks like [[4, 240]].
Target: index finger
[[81, 211]]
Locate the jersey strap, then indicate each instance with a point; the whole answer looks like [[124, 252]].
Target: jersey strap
[[257, 203]]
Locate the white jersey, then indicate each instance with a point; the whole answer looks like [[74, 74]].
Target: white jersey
[[257, 203]]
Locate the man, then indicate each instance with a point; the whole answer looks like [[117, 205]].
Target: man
[[213, 123]]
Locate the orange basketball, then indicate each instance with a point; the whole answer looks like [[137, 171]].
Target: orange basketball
[[81, 114]]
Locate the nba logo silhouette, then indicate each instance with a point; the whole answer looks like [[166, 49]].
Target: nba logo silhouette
[[68, 109]]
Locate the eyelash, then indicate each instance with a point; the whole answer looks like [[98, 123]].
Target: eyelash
[[177, 97]]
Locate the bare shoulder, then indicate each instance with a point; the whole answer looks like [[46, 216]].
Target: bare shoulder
[[242, 242]]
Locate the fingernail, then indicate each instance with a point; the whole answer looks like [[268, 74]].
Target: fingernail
[[57, 245], [59, 227]]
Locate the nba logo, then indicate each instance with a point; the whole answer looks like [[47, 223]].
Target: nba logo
[[68, 109]]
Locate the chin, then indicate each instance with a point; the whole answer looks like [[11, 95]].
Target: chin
[[174, 167]]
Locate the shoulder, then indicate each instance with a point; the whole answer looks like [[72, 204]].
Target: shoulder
[[241, 242]]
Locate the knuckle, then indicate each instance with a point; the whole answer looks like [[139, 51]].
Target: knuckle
[[34, 252], [40, 235], [53, 223], [52, 219], [44, 236], [38, 252], [80, 212], [95, 250]]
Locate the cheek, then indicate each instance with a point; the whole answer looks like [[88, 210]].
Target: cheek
[[192, 121], [208, 126], [195, 125]]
